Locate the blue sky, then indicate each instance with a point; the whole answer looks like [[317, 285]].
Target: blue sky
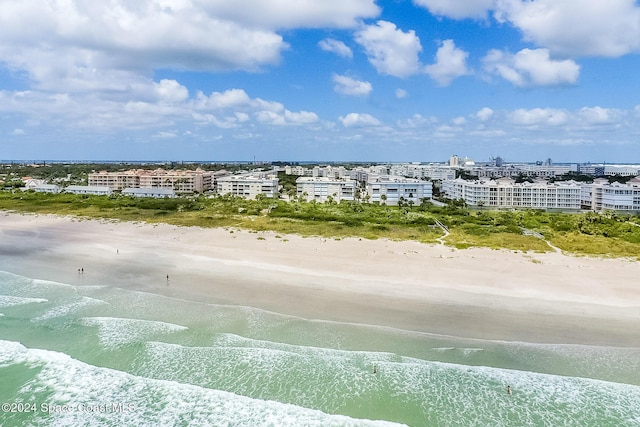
[[333, 80]]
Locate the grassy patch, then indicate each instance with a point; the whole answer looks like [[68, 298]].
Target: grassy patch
[[578, 243], [462, 240]]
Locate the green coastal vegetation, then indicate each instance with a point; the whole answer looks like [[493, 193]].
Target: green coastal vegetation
[[597, 234]]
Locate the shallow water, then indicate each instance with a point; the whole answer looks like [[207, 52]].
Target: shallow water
[[101, 355]]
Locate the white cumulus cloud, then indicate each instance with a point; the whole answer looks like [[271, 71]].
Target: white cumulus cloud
[[171, 91], [349, 86], [531, 67], [416, 121], [484, 114], [389, 49], [569, 28], [277, 14], [577, 27], [358, 120], [300, 117], [115, 44], [539, 116], [451, 63], [232, 98], [336, 46], [234, 106], [457, 9], [598, 115]]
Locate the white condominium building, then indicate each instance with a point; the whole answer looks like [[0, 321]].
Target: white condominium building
[[248, 185], [418, 171], [388, 189], [547, 171], [611, 170], [181, 181], [379, 170], [505, 193], [321, 188], [294, 170], [438, 173], [514, 170], [600, 195]]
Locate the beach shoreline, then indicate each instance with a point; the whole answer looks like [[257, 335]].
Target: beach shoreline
[[471, 293]]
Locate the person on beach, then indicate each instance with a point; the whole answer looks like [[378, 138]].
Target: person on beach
[[509, 390], [375, 369]]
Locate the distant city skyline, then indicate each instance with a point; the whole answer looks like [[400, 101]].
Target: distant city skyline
[[330, 80], [276, 163]]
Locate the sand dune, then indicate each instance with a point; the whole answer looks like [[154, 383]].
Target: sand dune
[[478, 292]]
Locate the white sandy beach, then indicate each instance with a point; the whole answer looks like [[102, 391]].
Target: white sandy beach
[[476, 293]]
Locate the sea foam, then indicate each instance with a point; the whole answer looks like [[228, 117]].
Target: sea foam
[[11, 301], [440, 393], [115, 331], [70, 307], [64, 382]]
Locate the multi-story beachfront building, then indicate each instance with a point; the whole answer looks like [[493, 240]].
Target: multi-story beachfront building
[[389, 189], [385, 189], [506, 193], [602, 195], [321, 188], [115, 180], [181, 181], [249, 185]]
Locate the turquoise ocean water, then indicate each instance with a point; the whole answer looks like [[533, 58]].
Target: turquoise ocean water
[[109, 356]]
